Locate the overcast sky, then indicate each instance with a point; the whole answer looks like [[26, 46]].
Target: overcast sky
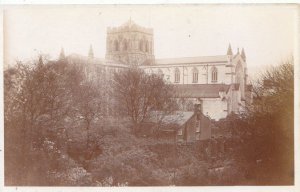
[[267, 32]]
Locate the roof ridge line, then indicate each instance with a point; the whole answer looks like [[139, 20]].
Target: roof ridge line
[[190, 57]]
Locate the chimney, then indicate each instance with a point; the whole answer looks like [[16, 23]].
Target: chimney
[[91, 52], [197, 111], [62, 54]]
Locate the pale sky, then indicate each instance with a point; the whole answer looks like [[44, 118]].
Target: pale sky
[[266, 32]]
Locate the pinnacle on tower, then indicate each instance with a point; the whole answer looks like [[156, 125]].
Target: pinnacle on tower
[[62, 54], [229, 50], [243, 55], [40, 60], [238, 51], [91, 52]]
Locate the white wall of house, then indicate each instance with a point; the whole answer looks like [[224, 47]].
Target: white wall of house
[[215, 108]]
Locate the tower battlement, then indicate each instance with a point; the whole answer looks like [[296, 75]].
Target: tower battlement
[[130, 26], [130, 44]]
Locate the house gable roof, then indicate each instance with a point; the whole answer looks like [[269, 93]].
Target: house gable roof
[[176, 118]]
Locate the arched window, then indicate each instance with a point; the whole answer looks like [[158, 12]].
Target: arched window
[[116, 44], [125, 45], [147, 46], [110, 45], [177, 75], [195, 75], [214, 74], [150, 47], [141, 45]]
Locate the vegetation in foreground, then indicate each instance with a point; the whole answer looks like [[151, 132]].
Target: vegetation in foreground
[[56, 134]]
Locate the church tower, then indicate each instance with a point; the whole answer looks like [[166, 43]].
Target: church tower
[[130, 44]]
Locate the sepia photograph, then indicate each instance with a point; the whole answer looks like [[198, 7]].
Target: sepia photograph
[[149, 95]]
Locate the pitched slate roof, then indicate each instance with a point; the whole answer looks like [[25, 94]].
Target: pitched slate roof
[[178, 118], [190, 60], [200, 90]]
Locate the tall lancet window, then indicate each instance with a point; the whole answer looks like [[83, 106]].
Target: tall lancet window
[[150, 47], [116, 45], [177, 75], [214, 75], [111, 46], [195, 75], [147, 46], [125, 45], [141, 45]]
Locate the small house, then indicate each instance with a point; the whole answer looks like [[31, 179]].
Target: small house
[[184, 126]]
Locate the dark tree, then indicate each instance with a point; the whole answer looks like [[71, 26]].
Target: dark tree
[[41, 99], [266, 131], [138, 93]]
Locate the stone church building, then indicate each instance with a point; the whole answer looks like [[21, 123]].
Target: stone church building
[[219, 84]]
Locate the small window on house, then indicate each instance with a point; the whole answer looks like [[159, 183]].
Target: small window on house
[[198, 128], [179, 132], [214, 75], [195, 75], [177, 75]]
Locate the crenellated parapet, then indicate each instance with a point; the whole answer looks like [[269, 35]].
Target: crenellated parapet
[[130, 44], [130, 26]]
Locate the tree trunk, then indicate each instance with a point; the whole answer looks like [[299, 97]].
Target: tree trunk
[[135, 128], [87, 135]]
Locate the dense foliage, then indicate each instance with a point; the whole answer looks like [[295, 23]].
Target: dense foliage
[[56, 132], [266, 131], [43, 102]]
